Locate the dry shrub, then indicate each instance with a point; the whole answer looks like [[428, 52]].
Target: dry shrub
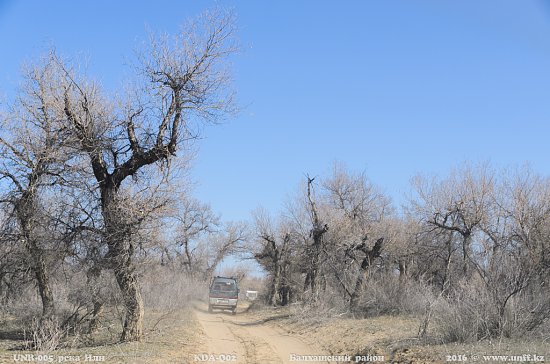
[[467, 314], [45, 335], [165, 289], [76, 294], [383, 295], [470, 313], [387, 295], [26, 305], [527, 314], [327, 306]]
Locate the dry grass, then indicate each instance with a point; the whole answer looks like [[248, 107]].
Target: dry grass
[[394, 336], [170, 331], [170, 337]]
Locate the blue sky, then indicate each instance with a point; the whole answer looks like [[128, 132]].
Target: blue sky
[[392, 88]]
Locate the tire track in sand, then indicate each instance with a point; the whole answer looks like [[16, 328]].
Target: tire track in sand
[[249, 342]]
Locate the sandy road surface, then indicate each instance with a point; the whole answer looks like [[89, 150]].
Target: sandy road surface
[[239, 338]]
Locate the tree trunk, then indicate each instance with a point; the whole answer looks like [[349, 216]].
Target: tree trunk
[[370, 255], [285, 288], [313, 253], [133, 303], [447, 272], [120, 257], [44, 286], [467, 239], [276, 287], [403, 273], [42, 279], [358, 290], [94, 321], [314, 257], [25, 214], [310, 281], [93, 276]]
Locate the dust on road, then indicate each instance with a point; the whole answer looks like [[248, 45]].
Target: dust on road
[[244, 341]]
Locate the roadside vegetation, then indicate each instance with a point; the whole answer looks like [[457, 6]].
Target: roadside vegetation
[[468, 252]]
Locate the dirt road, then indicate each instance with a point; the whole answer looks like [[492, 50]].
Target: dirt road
[[237, 339]]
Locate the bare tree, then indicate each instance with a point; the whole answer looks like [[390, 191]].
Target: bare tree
[[363, 209], [14, 269], [184, 78], [338, 258], [195, 221], [34, 159], [315, 246], [198, 240], [219, 246], [489, 231], [368, 256], [509, 257], [273, 246], [457, 204]]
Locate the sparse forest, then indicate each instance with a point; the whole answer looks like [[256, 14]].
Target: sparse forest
[[98, 224], [468, 252]]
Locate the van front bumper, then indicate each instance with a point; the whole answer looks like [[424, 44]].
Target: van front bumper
[[227, 303]]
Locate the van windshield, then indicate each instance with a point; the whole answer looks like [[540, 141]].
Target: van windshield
[[222, 287]]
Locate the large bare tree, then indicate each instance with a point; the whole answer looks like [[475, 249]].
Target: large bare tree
[[182, 79]]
